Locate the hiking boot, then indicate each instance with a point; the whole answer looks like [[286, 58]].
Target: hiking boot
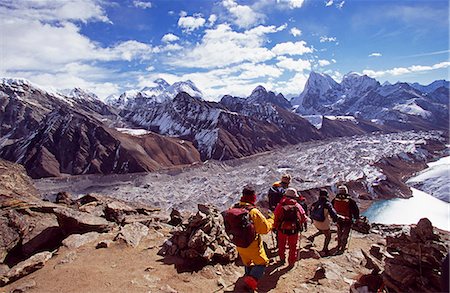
[[324, 253], [251, 283]]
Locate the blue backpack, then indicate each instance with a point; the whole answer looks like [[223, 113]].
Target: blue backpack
[[317, 211]]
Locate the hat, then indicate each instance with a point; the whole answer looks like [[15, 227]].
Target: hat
[[286, 178], [323, 192], [342, 189], [291, 192]]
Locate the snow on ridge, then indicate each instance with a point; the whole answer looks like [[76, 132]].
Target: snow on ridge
[[132, 131], [314, 120], [413, 109]]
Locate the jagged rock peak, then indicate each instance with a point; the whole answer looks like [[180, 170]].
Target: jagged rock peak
[[259, 90]]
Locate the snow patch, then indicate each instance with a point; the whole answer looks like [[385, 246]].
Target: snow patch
[[135, 132]]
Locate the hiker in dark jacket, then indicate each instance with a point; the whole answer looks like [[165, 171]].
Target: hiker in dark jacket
[[289, 218], [322, 223], [277, 190], [346, 207], [302, 202], [254, 256]]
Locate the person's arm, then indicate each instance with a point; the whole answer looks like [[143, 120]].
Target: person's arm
[[277, 216], [302, 213], [331, 211], [354, 209], [262, 225]]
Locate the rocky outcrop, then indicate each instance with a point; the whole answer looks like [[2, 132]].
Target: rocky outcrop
[[203, 238], [26, 267], [132, 234], [415, 260]]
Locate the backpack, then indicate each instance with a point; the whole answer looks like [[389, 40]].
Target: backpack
[[317, 212], [239, 225], [275, 195], [290, 219], [342, 207]]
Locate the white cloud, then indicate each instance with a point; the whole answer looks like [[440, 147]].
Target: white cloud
[[294, 65], [293, 86], [50, 10], [295, 32], [239, 47], [329, 3], [190, 23], [167, 38], [150, 68], [324, 62], [324, 39], [375, 54], [340, 5], [252, 71], [182, 13], [290, 48], [243, 16], [142, 4], [406, 70], [292, 3], [212, 19]]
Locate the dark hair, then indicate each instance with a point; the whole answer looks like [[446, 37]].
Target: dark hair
[[323, 192], [248, 190]]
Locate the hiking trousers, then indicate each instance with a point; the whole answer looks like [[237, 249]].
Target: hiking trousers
[[291, 241], [343, 232]]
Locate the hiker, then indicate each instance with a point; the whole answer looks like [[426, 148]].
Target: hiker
[[320, 213], [277, 190], [302, 201], [348, 209], [289, 219], [253, 255]]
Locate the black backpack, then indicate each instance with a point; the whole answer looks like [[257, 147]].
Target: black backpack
[[318, 211], [239, 225]]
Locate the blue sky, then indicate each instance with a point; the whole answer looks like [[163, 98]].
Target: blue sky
[[223, 46]]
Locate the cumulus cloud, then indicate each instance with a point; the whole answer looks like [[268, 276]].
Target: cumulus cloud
[[167, 38], [294, 85], [295, 32], [212, 19], [290, 48], [329, 3], [243, 16], [406, 70], [375, 54], [292, 3], [191, 23], [50, 10], [240, 47], [252, 71], [142, 4], [324, 39], [324, 62], [298, 65]]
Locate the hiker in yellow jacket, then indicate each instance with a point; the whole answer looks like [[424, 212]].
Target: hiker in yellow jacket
[[254, 256]]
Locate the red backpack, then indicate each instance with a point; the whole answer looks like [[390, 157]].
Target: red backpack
[[239, 225], [290, 219]]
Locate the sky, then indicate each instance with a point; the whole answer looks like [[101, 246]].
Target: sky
[[223, 46]]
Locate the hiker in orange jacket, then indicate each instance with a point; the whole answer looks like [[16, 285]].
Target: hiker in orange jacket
[[254, 256], [289, 219], [277, 190], [346, 207]]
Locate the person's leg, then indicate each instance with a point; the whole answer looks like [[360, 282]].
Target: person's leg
[[292, 243], [326, 242], [345, 233], [282, 238], [260, 261], [339, 235]]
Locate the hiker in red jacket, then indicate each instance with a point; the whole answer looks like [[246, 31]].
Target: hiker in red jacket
[[289, 218], [346, 207]]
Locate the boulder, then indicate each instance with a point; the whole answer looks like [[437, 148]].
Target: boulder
[[104, 244], [413, 261], [175, 218], [115, 211], [75, 222], [26, 267], [362, 225], [9, 237], [64, 198], [132, 234], [77, 240]]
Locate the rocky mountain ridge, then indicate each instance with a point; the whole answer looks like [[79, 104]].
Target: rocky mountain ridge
[[401, 105]]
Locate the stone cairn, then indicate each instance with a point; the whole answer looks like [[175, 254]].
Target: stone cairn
[[414, 259], [202, 238]]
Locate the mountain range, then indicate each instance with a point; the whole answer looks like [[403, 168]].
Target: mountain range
[[73, 132]]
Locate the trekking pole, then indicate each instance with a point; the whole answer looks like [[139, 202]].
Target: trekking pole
[[349, 238], [273, 240]]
